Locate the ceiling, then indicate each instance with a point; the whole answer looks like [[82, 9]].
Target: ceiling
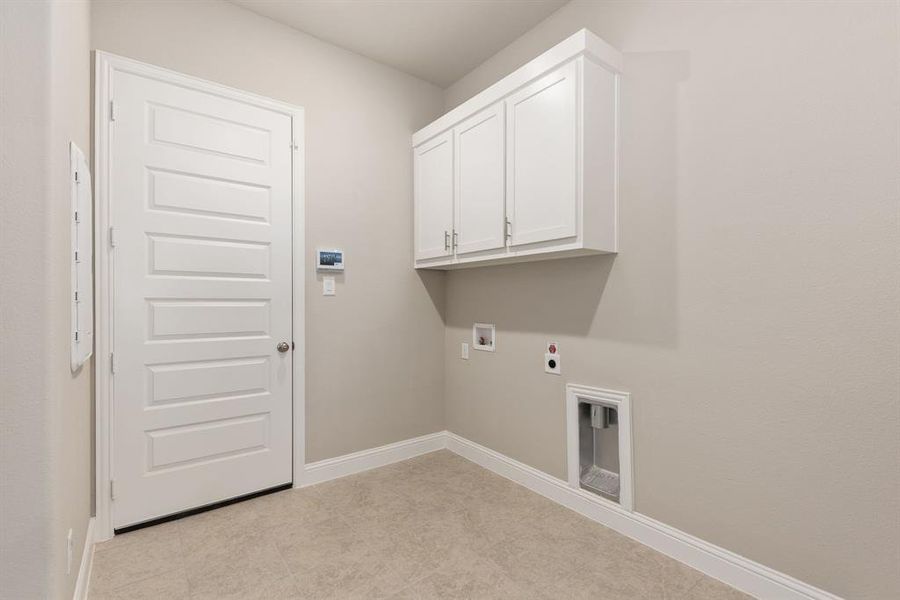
[[436, 40]]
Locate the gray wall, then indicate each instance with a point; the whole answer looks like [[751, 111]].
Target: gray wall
[[359, 118], [753, 309], [45, 423]]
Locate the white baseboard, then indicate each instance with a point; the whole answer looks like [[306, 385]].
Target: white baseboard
[[739, 572], [87, 561], [341, 466]]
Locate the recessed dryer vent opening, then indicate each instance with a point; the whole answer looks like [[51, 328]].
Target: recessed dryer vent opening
[[598, 444], [599, 432]]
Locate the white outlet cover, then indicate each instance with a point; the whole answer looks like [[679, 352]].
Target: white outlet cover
[[464, 351], [328, 288], [552, 370]]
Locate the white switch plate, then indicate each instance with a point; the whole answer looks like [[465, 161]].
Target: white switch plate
[[328, 286], [464, 351], [554, 370]]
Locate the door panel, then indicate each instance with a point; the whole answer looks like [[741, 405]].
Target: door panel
[[433, 172], [480, 212], [541, 171], [201, 202]]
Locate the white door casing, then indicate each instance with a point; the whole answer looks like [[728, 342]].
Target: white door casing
[[433, 183], [480, 212], [541, 155], [201, 186]]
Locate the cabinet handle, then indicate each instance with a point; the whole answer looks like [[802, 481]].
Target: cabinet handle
[[455, 239], [508, 227], [446, 240]]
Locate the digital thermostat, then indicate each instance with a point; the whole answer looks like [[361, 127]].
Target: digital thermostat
[[330, 260]]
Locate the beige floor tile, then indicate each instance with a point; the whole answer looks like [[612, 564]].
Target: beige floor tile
[[156, 532], [328, 558], [237, 588], [117, 565], [470, 576], [215, 527], [295, 506], [172, 585], [710, 589], [237, 567], [436, 526]]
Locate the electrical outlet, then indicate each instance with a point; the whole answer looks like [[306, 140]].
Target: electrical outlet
[[464, 351], [69, 549], [551, 364]]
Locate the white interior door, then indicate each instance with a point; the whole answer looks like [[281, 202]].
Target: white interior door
[[201, 193], [541, 170], [480, 212], [433, 172]]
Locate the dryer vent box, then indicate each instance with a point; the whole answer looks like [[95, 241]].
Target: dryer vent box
[[598, 457], [599, 443]]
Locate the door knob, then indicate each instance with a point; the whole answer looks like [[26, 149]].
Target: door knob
[[283, 346]]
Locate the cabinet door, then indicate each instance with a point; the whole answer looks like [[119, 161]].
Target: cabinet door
[[480, 212], [541, 158], [433, 168]]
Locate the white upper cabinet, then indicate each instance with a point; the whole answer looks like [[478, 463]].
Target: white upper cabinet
[[480, 216], [433, 190], [527, 169], [541, 155]]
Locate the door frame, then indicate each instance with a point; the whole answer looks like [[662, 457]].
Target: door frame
[[105, 65]]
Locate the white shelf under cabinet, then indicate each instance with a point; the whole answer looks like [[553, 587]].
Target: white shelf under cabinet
[[527, 169]]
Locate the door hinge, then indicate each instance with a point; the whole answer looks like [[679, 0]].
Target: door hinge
[[77, 179], [112, 110], [112, 489], [112, 362], [112, 237]]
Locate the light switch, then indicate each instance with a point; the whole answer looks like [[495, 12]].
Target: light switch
[[328, 286], [464, 351]]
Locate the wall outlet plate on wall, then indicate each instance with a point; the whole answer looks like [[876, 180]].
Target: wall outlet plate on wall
[[551, 358], [328, 286], [551, 364]]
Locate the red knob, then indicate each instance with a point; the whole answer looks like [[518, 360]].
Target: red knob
[[552, 348]]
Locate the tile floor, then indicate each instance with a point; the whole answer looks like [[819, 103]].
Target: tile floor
[[436, 526]]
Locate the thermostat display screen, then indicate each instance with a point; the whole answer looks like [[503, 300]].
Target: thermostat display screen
[[330, 260]]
